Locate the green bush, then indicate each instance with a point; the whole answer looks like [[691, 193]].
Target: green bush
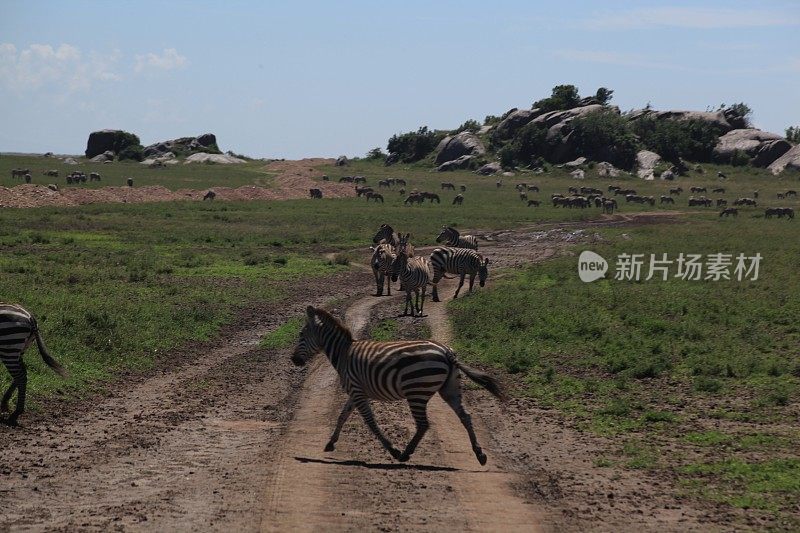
[[793, 134], [740, 159], [376, 154], [605, 136], [562, 97], [469, 125], [134, 152], [414, 145], [675, 139], [122, 140]]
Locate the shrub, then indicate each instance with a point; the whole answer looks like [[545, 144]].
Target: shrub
[[675, 139], [122, 140], [605, 136], [469, 125], [793, 134], [740, 159], [603, 95], [562, 97], [134, 152], [376, 154], [413, 146]]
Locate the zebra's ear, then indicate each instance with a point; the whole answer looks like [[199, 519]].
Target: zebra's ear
[[311, 312], [486, 261]]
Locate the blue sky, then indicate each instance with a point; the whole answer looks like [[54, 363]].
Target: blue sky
[[296, 79]]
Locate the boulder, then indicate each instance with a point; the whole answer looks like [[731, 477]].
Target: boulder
[[206, 142], [509, 174], [513, 121], [106, 156], [564, 117], [202, 157], [489, 168], [341, 161], [760, 146], [576, 163], [667, 175], [607, 170], [578, 174], [465, 161], [646, 162], [716, 118], [100, 141], [70, 161], [486, 128], [788, 161], [456, 146]]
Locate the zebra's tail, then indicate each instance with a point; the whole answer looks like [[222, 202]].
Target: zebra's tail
[[483, 379], [48, 359]]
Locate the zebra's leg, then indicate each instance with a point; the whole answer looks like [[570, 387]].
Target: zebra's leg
[[422, 305], [437, 277], [21, 380], [451, 393], [378, 282], [471, 281], [7, 396], [362, 404], [343, 416], [460, 284], [419, 408], [388, 284]]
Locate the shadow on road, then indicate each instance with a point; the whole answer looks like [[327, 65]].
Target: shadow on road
[[380, 466]]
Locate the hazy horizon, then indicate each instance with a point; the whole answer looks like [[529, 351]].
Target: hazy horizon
[[311, 79]]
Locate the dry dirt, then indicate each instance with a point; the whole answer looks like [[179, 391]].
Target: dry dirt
[[228, 436], [293, 180]]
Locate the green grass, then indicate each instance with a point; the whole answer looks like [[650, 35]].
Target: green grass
[[385, 330], [180, 176], [284, 336]]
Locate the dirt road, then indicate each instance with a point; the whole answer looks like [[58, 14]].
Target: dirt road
[[231, 436]]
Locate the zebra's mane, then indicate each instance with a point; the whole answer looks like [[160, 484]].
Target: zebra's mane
[[330, 321], [454, 231]]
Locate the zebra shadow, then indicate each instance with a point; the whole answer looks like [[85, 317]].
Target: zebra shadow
[[379, 466]]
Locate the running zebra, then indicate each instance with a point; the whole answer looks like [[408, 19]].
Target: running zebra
[[461, 261], [390, 371], [451, 237], [413, 274], [382, 258], [17, 330]]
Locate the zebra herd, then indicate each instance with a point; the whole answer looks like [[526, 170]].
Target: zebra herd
[[393, 259]]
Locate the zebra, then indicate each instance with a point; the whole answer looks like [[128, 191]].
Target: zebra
[[447, 185], [458, 200], [314, 193], [461, 261], [390, 371], [210, 195], [451, 237], [374, 196], [413, 274], [383, 256], [387, 235], [18, 329]]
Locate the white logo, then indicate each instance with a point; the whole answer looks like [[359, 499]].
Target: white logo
[[591, 266]]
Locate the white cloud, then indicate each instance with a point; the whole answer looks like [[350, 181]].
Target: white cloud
[[41, 65], [169, 59], [690, 17]]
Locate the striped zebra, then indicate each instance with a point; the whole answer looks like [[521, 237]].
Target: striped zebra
[[387, 235], [17, 330], [390, 371], [451, 237], [382, 258], [461, 261], [413, 274]]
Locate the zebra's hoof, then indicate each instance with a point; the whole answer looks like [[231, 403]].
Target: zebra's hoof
[[403, 458], [481, 457], [329, 447], [395, 453], [436, 300]]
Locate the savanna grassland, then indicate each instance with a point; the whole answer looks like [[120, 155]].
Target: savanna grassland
[[695, 381]]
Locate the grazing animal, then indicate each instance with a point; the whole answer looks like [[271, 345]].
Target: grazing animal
[[325, 178], [729, 211], [414, 197], [533, 188], [51, 173], [612, 188], [458, 200], [573, 190], [400, 181], [698, 189], [359, 179], [745, 201], [431, 196], [28, 178], [18, 328], [462, 188], [461, 261], [19, 172], [702, 201], [360, 191], [534, 203], [210, 195], [346, 179], [94, 176], [390, 371], [448, 186], [721, 202], [755, 194], [667, 199], [676, 190], [413, 274], [779, 211], [315, 193], [130, 182], [402, 191], [790, 192], [609, 205], [451, 237], [374, 196], [523, 196], [780, 196], [53, 187], [382, 258], [499, 183], [383, 183], [721, 176], [720, 190]]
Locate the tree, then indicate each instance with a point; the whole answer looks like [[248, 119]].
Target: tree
[[413, 146], [793, 134], [738, 114], [675, 139], [376, 154], [470, 125], [605, 136], [604, 95], [562, 97]]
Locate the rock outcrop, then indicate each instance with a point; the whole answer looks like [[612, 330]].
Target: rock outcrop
[[717, 118], [465, 161], [109, 140], [514, 120], [222, 159], [789, 161], [202, 143], [489, 168], [106, 156], [762, 147], [646, 162], [607, 170], [454, 147]]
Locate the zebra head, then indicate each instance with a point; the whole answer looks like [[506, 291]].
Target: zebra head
[[384, 233], [401, 257], [483, 271], [308, 344], [448, 235]]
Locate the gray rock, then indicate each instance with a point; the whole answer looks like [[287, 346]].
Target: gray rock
[[105, 157], [101, 141], [607, 170], [762, 147], [576, 163], [222, 159], [578, 174], [717, 118], [465, 161], [70, 161], [489, 168], [509, 174], [513, 121], [456, 146], [561, 118], [646, 162], [667, 175], [204, 142], [788, 161]]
